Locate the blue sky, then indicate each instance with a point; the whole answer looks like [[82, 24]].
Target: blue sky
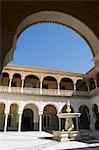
[[53, 46]]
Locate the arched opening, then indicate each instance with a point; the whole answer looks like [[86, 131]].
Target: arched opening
[[2, 116], [66, 84], [50, 119], [84, 117], [62, 18], [49, 83], [30, 118], [5, 79], [81, 85], [12, 124], [97, 78], [32, 81], [16, 81], [95, 110], [46, 54], [63, 119], [27, 120], [91, 84]]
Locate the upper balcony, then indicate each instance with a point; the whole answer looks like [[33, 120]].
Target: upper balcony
[[37, 91], [47, 85]]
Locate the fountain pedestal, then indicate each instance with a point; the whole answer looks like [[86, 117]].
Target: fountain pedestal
[[72, 135], [65, 135]]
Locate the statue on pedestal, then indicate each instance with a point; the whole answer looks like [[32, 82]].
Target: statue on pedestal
[[69, 123]]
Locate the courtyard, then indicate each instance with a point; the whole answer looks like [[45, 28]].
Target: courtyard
[[42, 141]]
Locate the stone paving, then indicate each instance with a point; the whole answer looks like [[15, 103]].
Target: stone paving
[[41, 141]]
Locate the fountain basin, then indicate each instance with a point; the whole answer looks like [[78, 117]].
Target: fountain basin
[[71, 135], [69, 115], [69, 126]]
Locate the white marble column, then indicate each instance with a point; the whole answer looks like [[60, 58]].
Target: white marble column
[[10, 84], [20, 119], [58, 88], [22, 84], [95, 83], [40, 122], [5, 123], [74, 83], [41, 83], [88, 87]]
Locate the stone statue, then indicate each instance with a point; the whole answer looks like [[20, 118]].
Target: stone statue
[[69, 123]]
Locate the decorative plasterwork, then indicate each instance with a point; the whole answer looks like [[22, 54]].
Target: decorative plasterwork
[[60, 18]]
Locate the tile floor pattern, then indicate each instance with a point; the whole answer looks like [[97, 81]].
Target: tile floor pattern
[[41, 141]]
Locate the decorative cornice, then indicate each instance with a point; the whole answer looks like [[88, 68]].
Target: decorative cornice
[[42, 70]]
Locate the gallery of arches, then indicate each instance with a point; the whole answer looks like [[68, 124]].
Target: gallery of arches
[[31, 98]]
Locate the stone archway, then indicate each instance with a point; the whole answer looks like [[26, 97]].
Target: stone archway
[[60, 18], [50, 119], [27, 120], [12, 123], [30, 118]]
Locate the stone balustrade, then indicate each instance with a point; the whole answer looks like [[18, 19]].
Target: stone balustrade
[[31, 90], [66, 92], [53, 92], [81, 93], [50, 92], [4, 88], [94, 91]]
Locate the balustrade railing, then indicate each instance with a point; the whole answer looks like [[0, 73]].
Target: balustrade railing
[[94, 91], [4, 88], [15, 89], [66, 92], [54, 92], [49, 91], [81, 93], [31, 90]]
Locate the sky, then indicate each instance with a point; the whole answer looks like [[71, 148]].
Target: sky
[[54, 46]]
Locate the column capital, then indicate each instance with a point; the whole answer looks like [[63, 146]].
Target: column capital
[[75, 81], [6, 112], [11, 76], [40, 113], [58, 81], [41, 79], [20, 112], [23, 77]]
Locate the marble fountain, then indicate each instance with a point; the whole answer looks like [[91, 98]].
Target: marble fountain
[[69, 133]]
